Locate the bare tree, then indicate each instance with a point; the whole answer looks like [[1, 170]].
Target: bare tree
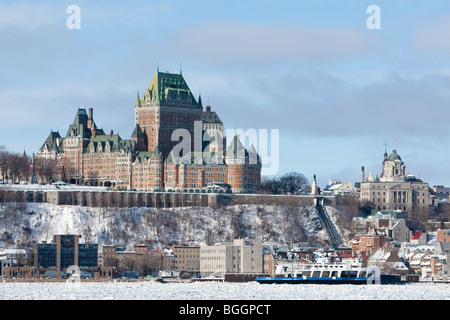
[[349, 207], [238, 226], [443, 212], [289, 183], [14, 166], [270, 185], [46, 230], [45, 169], [418, 218], [3, 161], [293, 182]]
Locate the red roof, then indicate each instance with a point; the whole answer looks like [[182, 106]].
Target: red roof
[[417, 235]]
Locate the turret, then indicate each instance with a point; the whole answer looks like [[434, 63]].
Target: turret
[[138, 100]]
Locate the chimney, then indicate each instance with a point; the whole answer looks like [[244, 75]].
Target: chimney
[[91, 113], [208, 109], [362, 174], [110, 133]]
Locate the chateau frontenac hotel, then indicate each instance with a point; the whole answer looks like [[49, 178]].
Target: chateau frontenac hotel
[[176, 145]]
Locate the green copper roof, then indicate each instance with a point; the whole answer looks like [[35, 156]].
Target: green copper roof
[[211, 117], [114, 142], [137, 132], [167, 85], [394, 156], [52, 141], [138, 100], [144, 156], [79, 126]]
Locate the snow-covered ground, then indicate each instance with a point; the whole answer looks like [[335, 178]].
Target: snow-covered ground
[[27, 223], [218, 291]]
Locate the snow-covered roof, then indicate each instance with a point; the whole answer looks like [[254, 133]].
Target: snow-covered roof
[[377, 256], [400, 266], [335, 186], [13, 253], [168, 252]]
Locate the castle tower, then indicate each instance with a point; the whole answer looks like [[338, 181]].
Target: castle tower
[[167, 105], [213, 127]]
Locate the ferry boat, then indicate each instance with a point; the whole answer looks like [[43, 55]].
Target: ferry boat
[[346, 272]]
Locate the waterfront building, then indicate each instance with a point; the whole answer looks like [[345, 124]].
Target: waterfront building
[[240, 256], [186, 258], [55, 259]]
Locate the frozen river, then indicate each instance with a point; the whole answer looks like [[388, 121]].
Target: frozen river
[[218, 291]]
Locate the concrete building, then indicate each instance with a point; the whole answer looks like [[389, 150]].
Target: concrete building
[[241, 256], [186, 258]]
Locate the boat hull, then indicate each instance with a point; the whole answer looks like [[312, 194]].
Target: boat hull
[[384, 279]]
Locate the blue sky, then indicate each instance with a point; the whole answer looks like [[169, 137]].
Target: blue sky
[[334, 89]]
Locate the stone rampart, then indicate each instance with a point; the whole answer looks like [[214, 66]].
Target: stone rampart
[[128, 199]]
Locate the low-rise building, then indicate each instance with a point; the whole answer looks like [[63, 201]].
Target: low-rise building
[[443, 235], [382, 223], [418, 237], [440, 191], [367, 245], [388, 261], [240, 256], [340, 188], [273, 255], [416, 256], [186, 258]]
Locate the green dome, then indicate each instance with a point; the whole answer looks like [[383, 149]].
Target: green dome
[[394, 156]]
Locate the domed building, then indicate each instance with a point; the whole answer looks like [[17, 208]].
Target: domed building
[[393, 168], [394, 189]]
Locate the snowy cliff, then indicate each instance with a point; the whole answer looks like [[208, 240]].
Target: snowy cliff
[[24, 224]]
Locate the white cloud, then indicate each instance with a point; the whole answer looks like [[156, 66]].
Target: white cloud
[[30, 16], [236, 41], [432, 36]]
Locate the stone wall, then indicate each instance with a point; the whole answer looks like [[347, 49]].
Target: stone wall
[[123, 199]]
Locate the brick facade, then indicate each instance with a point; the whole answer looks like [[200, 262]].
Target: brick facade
[[150, 160]]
